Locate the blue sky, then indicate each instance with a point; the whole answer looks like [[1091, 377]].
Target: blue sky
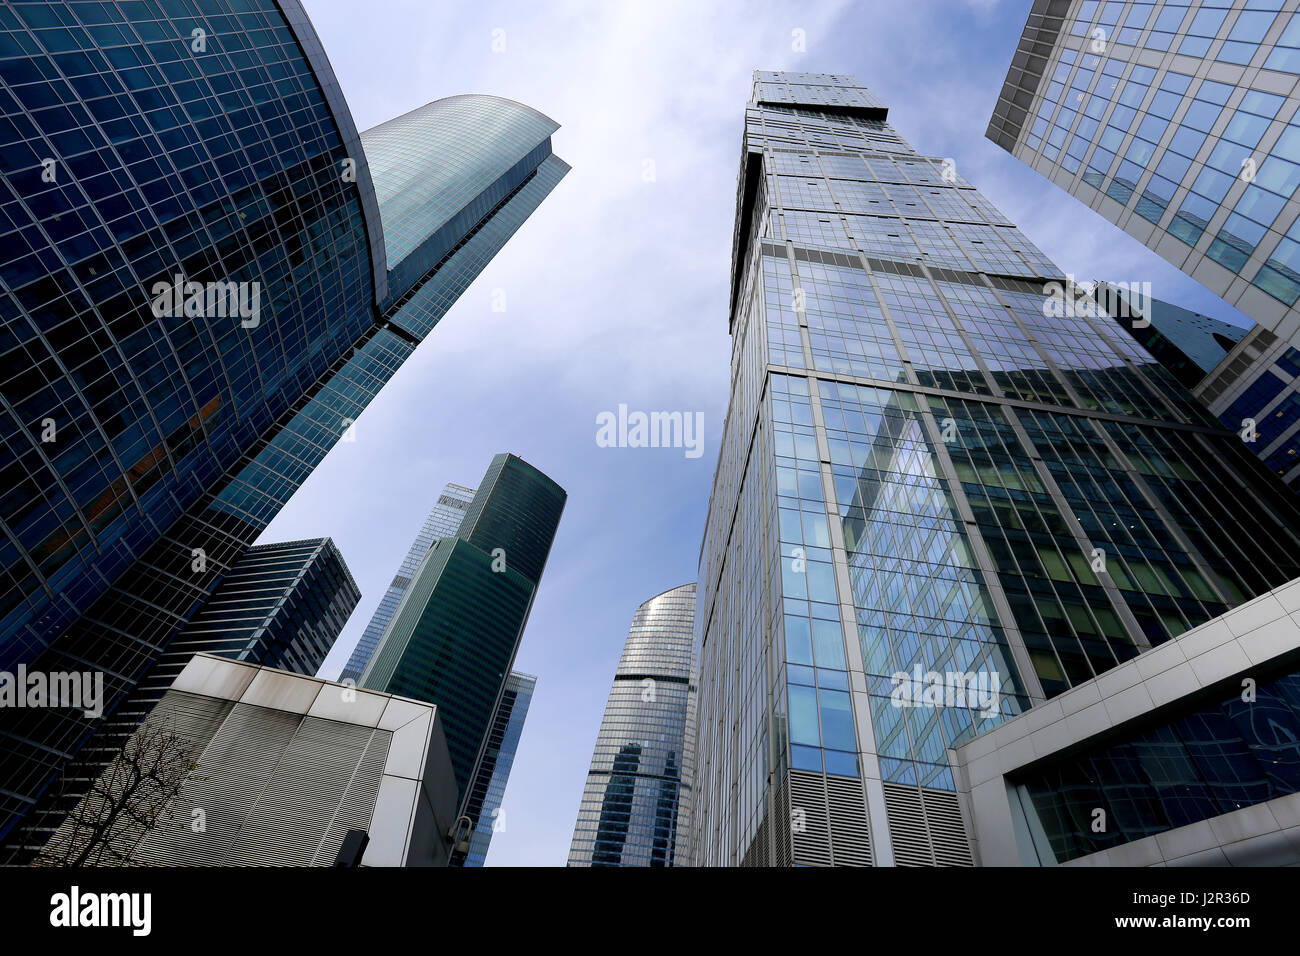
[[616, 292]]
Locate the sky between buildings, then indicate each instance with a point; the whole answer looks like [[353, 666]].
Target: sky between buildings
[[616, 290]]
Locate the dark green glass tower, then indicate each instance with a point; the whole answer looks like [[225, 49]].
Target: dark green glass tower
[[454, 636]]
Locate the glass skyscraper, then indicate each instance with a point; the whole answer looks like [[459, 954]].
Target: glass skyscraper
[[454, 636], [443, 522], [1177, 122], [148, 443], [483, 804], [944, 495], [637, 798]]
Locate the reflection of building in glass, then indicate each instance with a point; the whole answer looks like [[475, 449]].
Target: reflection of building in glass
[[442, 522], [1249, 378], [928, 468], [637, 795], [1210, 779], [489, 787]]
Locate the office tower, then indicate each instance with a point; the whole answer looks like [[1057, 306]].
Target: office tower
[[453, 638], [443, 522], [637, 797], [289, 764], [1184, 756], [207, 275], [943, 495], [1177, 122], [483, 806], [280, 605], [1254, 390], [1251, 387]]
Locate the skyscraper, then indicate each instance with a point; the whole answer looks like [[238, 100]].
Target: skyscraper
[[454, 636], [637, 798], [483, 805], [208, 274], [443, 522], [943, 496], [1177, 122], [281, 605]]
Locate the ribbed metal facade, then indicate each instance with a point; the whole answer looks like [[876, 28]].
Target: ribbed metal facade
[[277, 789]]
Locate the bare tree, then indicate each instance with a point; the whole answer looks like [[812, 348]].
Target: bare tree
[[126, 802]]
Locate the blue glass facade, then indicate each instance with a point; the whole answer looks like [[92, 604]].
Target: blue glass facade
[[637, 799], [1177, 121], [942, 497], [146, 450], [1210, 757]]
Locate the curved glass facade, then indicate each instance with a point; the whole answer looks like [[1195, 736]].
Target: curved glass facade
[[440, 168], [638, 789], [152, 433], [131, 158]]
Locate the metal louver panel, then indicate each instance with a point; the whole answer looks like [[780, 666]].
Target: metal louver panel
[[781, 838], [926, 827], [850, 831], [233, 771], [809, 823], [327, 769], [947, 830], [277, 788], [189, 716]]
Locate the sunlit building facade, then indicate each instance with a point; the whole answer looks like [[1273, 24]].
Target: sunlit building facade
[[149, 441], [1177, 122], [637, 798], [488, 790], [944, 495], [442, 522]]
